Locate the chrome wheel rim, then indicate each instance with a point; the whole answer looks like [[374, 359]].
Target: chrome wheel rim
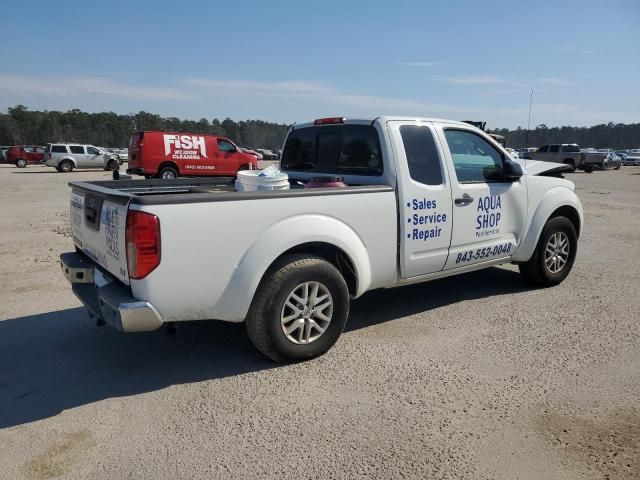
[[65, 167], [22, 163], [168, 175], [556, 254], [306, 313]]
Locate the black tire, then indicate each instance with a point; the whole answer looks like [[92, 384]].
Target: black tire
[[65, 166], [536, 271], [588, 169], [572, 164], [21, 163], [617, 168], [112, 165], [263, 321], [168, 173]]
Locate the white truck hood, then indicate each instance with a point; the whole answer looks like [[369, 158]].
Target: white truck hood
[[537, 167]]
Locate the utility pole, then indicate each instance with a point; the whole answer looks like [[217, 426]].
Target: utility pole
[[529, 121]]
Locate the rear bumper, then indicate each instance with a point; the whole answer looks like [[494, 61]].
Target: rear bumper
[[135, 171], [111, 301]]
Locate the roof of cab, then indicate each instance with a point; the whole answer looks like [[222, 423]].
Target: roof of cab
[[381, 119]]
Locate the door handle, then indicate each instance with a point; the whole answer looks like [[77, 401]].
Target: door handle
[[464, 200]]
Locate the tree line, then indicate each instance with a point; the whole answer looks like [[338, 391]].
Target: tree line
[[108, 129], [610, 135]]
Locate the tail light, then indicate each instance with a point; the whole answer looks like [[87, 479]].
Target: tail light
[[143, 243]]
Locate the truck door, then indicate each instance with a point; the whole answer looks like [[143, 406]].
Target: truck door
[[489, 213], [424, 197], [226, 157]]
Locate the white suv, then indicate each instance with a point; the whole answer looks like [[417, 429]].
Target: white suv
[[64, 157]]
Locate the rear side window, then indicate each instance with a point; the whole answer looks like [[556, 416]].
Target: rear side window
[[58, 149], [300, 150], [554, 148], [360, 151], [422, 156], [570, 149], [76, 149], [346, 149]]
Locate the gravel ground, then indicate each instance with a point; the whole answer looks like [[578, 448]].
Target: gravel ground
[[474, 377]]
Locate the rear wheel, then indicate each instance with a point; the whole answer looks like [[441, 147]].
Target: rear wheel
[[21, 163], [572, 164], [168, 173], [66, 166], [554, 255], [588, 169], [299, 310]]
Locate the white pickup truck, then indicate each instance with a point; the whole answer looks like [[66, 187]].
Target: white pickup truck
[[426, 199]]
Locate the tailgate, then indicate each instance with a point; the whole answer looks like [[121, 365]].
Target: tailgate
[[98, 225]]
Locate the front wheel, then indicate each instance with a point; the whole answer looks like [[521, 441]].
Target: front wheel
[[21, 163], [299, 310], [554, 255], [168, 173], [112, 165]]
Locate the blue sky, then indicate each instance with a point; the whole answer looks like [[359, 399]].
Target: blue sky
[[292, 61]]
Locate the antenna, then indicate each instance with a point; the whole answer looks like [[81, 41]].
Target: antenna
[[529, 121]]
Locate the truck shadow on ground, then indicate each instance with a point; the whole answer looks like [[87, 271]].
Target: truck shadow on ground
[[55, 361]]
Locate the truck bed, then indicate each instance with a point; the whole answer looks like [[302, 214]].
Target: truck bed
[[197, 190]]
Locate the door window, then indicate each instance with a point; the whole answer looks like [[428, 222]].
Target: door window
[[93, 151], [554, 148], [475, 159], [225, 146], [77, 149], [421, 153]]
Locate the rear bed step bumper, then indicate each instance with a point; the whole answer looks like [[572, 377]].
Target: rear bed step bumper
[[112, 302]]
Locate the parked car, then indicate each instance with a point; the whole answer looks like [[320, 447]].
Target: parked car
[[426, 199], [253, 152], [122, 153], [612, 160], [170, 155], [64, 157], [23, 155], [568, 154], [632, 158], [267, 154]]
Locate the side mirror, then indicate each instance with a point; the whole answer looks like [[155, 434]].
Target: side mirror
[[511, 171]]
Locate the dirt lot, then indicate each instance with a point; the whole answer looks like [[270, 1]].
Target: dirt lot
[[476, 376]]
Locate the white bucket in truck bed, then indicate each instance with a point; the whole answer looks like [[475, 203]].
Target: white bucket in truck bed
[[250, 181]]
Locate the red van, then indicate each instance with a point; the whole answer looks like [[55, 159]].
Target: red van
[[172, 154]]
